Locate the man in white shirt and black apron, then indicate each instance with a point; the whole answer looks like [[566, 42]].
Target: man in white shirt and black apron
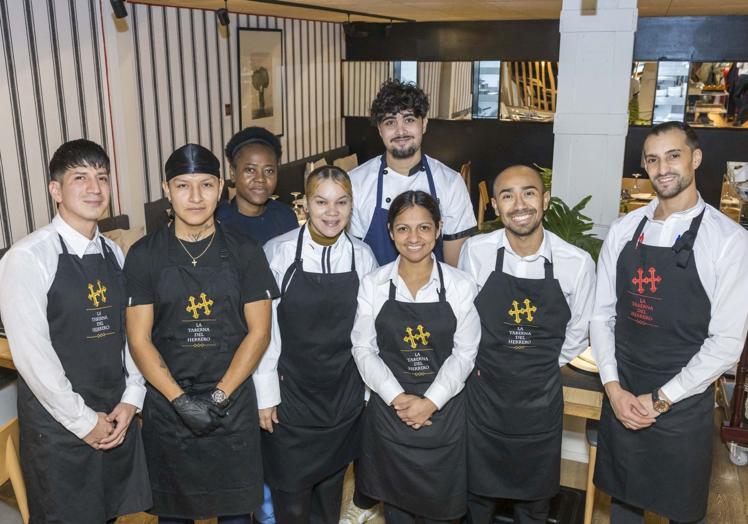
[[535, 301], [62, 299], [670, 317]]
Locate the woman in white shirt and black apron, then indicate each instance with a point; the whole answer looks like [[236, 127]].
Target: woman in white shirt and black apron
[[310, 394], [415, 340]]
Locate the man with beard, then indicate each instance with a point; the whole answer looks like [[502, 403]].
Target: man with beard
[[254, 153], [670, 317], [535, 301], [399, 113]]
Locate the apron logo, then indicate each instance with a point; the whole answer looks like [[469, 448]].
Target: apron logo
[[95, 294], [422, 336], [204, 305], [651, 280], [517, 313]]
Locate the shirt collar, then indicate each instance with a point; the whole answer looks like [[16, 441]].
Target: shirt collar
[[308, 239], [394, 275], [691, 212], [420, 166], [543, 251], [76, 242]]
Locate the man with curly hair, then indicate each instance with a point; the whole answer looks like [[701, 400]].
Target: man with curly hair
[[399, 113]]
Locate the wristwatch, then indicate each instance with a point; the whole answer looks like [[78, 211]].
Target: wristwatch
[[219, 398], [660, 404]]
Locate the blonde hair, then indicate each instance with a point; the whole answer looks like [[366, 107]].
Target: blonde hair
[[322, 173]]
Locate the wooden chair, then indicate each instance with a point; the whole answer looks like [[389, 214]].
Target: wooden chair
[[591, 434], [483, 201], [465, 174], [10, 465]]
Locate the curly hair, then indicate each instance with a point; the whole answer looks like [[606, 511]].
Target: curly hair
[[395, 96], [252, 135]]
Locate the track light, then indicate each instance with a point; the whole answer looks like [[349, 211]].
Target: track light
[[118, 6], [223, 14]]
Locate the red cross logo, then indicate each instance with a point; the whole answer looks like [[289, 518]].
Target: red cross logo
[[652, 280]]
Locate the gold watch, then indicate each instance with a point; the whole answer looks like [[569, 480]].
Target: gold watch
[[660, 404]]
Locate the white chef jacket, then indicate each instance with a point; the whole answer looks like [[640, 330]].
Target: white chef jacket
[[26, 273], [460, 294], [720, 253], [281, 252], [572, 267], [454, 200]]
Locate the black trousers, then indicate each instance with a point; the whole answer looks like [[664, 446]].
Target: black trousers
[[482, 510], [622, 513], [394, 515], [319, 504]]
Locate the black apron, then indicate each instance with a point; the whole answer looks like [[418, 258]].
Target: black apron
[[662, 320], [322, 394], [420, 471], [515, 398], [198, 326], [378, 234], [68, 481]]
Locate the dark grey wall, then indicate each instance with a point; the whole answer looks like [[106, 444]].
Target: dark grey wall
[[491, 144]]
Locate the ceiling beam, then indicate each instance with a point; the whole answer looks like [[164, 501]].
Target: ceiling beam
[[284, 3]]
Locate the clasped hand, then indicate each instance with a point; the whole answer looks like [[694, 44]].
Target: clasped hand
[[111, 429], [199, 413], [633, 412], [414, 411]]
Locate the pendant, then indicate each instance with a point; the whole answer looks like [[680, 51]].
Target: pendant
[[194, 262]]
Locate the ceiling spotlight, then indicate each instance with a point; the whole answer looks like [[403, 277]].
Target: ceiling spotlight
[[118, 6], [223, 16]]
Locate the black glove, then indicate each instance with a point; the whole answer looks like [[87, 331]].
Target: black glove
[[198, 414]]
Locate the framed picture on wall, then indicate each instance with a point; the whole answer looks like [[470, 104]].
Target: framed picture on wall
[[261, 78]]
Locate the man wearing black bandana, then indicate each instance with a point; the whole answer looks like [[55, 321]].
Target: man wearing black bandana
[[199, 321]]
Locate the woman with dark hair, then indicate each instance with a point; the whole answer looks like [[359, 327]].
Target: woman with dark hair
[[310, 394], [414, 341]]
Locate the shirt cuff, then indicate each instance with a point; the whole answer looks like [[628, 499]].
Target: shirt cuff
[[134, 395], [673, 390], [438, 394], [388, 390], [267, 389], [83, 425], [608, 373]]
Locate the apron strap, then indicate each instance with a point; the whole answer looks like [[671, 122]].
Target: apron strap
[[62, 243], [380, 182], [683, 246], [393, 290], [499, 260], [429, 177], [548, 267], [353, 252], [442, 290], [639, 229], [297, 262]]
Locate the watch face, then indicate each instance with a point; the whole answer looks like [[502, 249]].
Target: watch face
[[661, 406], [218, 396]]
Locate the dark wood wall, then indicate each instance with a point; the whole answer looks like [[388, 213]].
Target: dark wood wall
[[491, 144]]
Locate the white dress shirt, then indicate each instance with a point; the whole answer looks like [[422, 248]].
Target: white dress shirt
[[26, 273], [375, 291], [720, 252], [572, 267], [281, 252], [454, 200]]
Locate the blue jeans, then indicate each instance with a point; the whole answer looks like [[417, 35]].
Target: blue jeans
[[266, 515]]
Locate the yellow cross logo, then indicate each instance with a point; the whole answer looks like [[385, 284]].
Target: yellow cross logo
[[422, 336], [517, 313], [95, 294], [204, 305]]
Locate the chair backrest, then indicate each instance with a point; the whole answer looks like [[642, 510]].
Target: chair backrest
[[156, 214], [483, 201], [465, 174], [347, 163], [10, 466]]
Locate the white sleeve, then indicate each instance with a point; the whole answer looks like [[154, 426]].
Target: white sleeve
[[602, 323], [459, 218], [581, 302], [374, 372], [455, 369], [727, 326], [265, 377], [23, 307]]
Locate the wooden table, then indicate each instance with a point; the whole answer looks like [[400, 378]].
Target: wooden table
[[583, 393], [6, 361]]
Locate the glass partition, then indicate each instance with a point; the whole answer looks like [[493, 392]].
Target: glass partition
[[486, 78], [528, 91]]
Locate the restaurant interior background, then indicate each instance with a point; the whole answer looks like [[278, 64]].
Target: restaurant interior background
[[171, 73]]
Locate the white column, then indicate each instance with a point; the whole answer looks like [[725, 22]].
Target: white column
[[591, 123]]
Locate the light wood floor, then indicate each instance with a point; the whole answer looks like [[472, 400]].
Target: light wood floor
[[728, 498]]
